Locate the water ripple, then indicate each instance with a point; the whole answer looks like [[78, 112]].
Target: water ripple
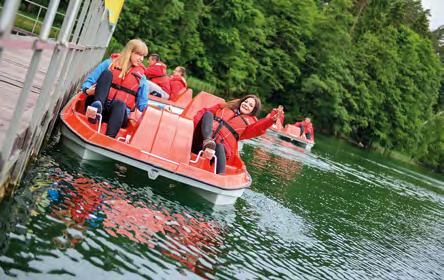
[[307, 216]]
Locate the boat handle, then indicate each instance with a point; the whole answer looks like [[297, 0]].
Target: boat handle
[[91, 112], [198, 157], [100, 122], [124, 139]]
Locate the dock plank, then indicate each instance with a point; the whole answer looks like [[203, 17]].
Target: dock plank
[[13, 70]]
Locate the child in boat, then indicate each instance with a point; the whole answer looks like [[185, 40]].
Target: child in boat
[[220, 127], [159, 82], [307, 131], [178, 84], [119, 86]]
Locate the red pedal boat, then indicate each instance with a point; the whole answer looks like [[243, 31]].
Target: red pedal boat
[[159, 142], [292, 133]]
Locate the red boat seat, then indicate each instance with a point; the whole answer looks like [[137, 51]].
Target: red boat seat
[[202, 100], [292, 130], [183, 99], [164, 134], [144, 136], [174, 138]]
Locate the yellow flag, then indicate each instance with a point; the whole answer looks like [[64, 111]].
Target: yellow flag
[[114, 7]]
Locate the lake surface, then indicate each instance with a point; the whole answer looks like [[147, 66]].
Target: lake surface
[[335, 213]]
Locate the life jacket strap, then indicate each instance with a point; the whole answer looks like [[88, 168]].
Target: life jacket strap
[[127, 90], [223, 123]]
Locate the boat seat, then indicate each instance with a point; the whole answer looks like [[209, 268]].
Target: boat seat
[[184, 98], [181, 101], [292, 130], [164, 134], [202, 100]]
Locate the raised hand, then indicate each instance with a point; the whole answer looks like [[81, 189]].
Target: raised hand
[[279, 112]]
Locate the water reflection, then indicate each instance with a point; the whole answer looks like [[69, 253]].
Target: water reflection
[[187, 239], [335, 213], [284, 149], [276, 165], [80, 213]]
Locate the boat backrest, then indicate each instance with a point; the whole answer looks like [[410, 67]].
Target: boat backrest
[[202, 100], [164, 134], [183, 99], [292, 130], [143, 137]]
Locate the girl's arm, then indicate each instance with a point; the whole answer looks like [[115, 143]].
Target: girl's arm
[[142, 94], [256, 129], [95, 74], [259, 127]]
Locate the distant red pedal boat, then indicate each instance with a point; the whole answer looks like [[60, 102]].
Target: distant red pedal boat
[[159, 142], [292, 133]]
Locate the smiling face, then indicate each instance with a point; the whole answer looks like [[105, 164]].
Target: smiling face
[[247, 106], [136, 58]]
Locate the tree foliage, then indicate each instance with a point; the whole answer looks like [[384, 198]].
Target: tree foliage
[[365, 70]]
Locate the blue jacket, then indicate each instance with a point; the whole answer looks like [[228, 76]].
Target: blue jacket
[[142, 95]]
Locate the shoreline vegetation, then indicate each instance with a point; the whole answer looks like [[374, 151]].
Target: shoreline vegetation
[[368, 71]]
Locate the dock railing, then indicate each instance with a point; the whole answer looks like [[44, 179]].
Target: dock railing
[[28, 20], [80, 45]]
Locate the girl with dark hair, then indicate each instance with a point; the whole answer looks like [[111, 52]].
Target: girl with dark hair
[[218, 129], [178, 83]]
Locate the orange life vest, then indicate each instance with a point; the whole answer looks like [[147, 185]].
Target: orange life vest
[[228, 127], [125, 89]]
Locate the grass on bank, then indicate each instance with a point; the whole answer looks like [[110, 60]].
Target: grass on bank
[[23, 21], [27, 25]]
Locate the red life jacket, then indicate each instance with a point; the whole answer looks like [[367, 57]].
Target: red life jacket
[[157, 74], [125, 89], [228, 127], [308, 127], [178, 84]]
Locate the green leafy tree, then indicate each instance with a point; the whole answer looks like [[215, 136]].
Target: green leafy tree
[[365, 70]]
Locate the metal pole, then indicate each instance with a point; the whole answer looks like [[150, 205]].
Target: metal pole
[[72, 10], [83, 40], [57, 59], [67, 26], [80, 21], [8, 15], [20, 106], [36, 20], [69, 74], [93, 8], [7, 18], [49, 19]]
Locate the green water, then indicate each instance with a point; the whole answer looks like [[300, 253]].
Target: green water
[[337, 213]]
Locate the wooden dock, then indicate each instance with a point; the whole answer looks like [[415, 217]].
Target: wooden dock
[[13, 69], [38, 73]]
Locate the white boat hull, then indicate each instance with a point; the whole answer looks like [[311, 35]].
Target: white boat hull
[[307, 146], [87, 151]]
